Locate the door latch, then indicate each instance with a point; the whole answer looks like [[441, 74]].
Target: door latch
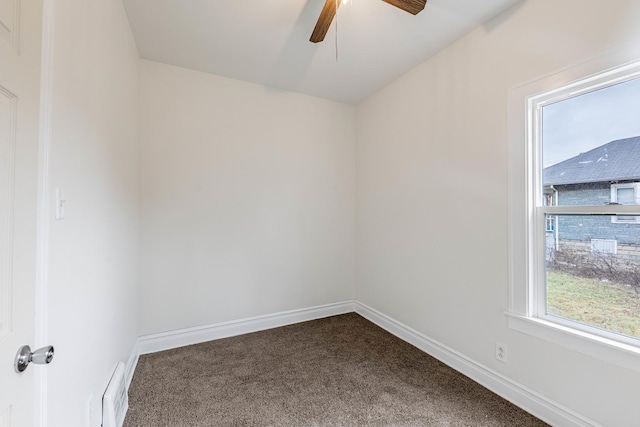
[[41, 356]]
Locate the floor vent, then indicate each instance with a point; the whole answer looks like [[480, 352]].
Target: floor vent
[[115, 401]]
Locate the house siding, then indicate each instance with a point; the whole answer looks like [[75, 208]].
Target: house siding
[[585, 228], [594, 194]]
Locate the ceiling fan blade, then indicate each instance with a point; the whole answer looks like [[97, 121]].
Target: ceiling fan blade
[[324, 21], [412, 6]]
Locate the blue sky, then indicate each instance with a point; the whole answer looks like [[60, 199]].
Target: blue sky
[[579, 124]]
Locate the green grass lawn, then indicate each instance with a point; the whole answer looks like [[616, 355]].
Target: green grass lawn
[[607, 305]]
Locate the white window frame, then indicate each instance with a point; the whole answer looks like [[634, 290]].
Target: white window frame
[[527, 213], [614, 199]]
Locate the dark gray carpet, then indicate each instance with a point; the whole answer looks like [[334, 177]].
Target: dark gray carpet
[[338, 371]]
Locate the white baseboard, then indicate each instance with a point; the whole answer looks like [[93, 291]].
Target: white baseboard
[[183, 337], [131, 364], [531, 401]]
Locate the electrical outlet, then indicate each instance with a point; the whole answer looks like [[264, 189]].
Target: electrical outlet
[[501, 352]]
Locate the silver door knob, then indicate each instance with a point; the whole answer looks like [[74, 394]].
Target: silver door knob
[[41, 356]]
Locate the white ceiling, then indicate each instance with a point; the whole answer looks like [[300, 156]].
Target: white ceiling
[[267, 41]]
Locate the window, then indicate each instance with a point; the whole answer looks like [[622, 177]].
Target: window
[[625, 194], [575, 209], [551, 199], [551, 223]]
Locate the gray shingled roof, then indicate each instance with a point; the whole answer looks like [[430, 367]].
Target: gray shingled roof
[[616, 161]]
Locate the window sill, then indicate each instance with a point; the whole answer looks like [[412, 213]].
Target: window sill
[[600, 348]]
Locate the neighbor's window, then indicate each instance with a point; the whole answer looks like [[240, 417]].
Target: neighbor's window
[[585, 163], [625, 194]]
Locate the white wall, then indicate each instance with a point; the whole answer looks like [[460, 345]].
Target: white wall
[[93, 252], [432, 197], [248, 200]]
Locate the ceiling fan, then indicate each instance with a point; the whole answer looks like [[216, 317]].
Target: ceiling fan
[[329, 11]]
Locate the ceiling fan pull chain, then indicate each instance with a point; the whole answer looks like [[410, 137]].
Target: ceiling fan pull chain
[[337, 30]]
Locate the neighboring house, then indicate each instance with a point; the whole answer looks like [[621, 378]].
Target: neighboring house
[[607, 174]]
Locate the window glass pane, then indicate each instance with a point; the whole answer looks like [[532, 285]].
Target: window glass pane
[[626, 196], [593, 272], [589, 143]]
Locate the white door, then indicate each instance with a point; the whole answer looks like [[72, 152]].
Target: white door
[[20, 41]]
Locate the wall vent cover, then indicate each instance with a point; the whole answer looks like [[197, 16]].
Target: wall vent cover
[[605, 246], [115, 401]]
